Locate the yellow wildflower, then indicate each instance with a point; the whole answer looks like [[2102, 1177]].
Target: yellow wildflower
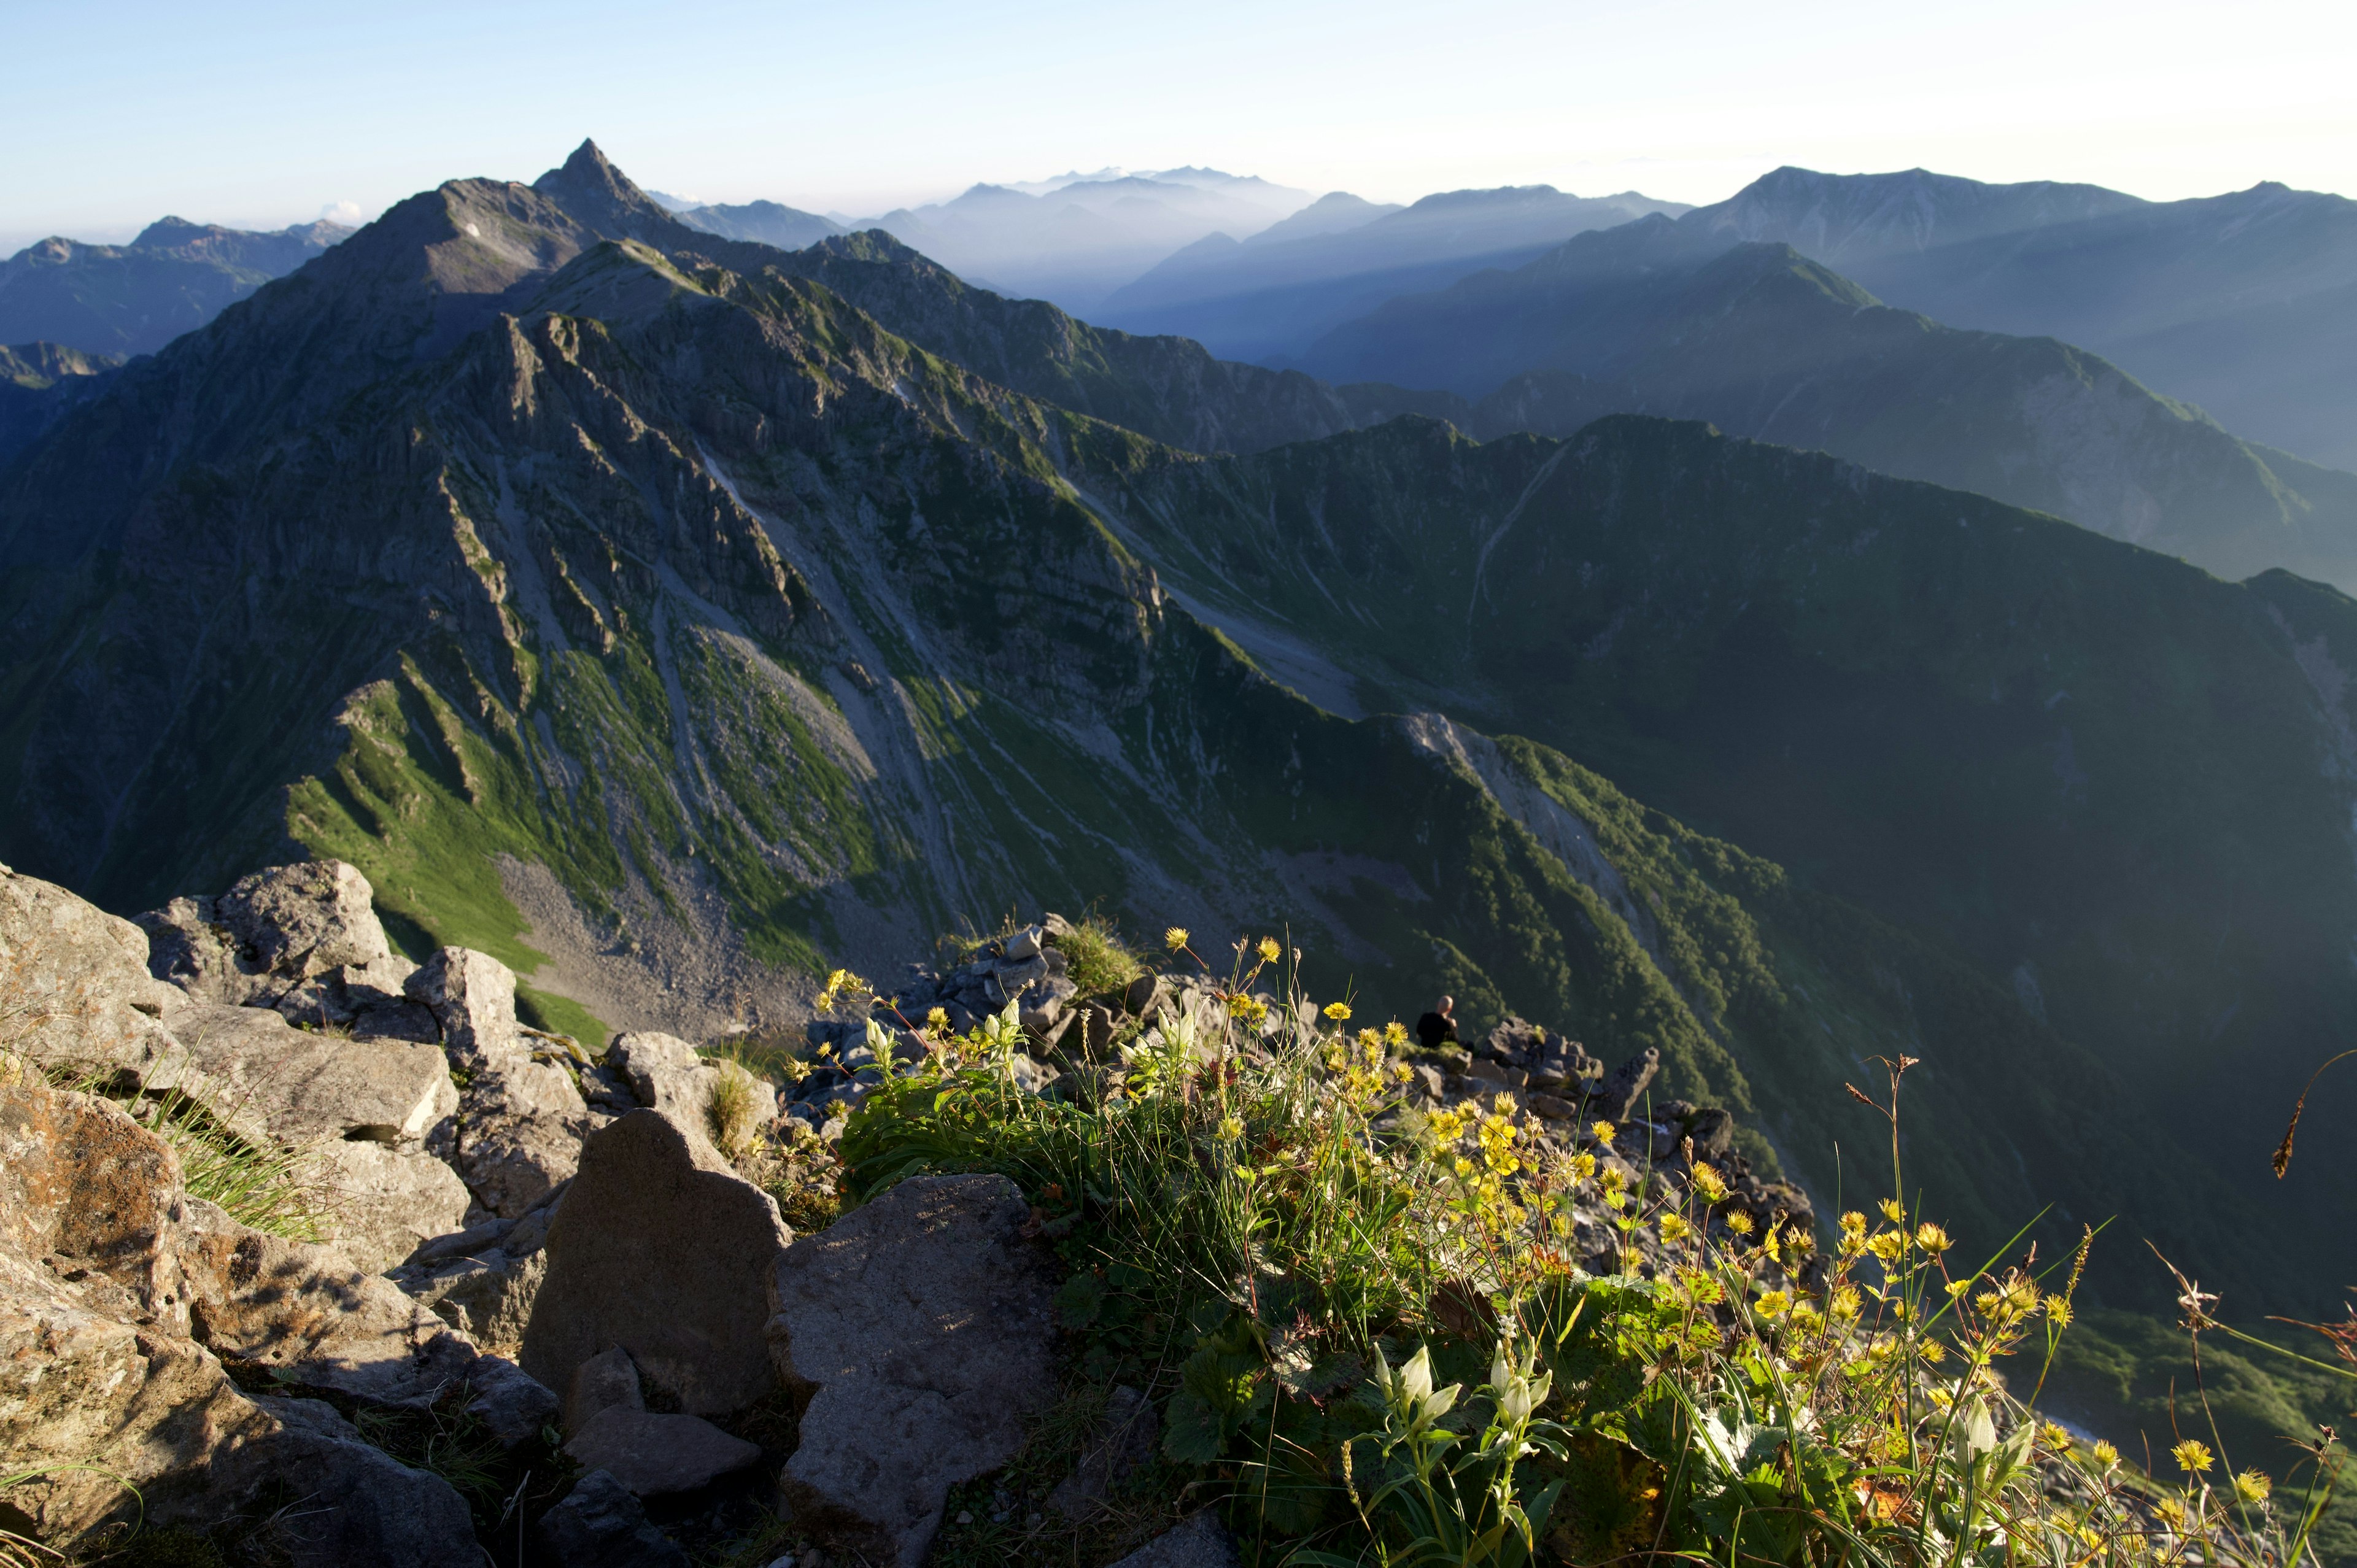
[[2191, 1457], [1853, 1223], [1175, 938], [1674, 1227], [1709, 1183], [1395, 1033], [1338, 1011], [1772, 1303], [1889, 1246], [2252, 1486], [2058, 1311], [2105, 1453], [1932, 1238], [1601, 1130], [1892, 1211], [2171, 1511], [937, 1018], [1846, 1303], [2055, 1436], [1505, 1105], [1739, 1222], [1230, 1129], [1583, 1166], [1269, 949]]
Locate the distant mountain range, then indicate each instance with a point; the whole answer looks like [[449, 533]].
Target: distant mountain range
[[1076, 241], [2245, 304], [767, 222], [1663, 317], [135, 298], [1268, 301], [620, 596]]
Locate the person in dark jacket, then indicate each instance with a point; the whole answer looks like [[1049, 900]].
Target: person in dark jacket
[[1438, 1027]]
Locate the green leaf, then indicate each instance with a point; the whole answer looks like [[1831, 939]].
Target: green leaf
[[1081, 1299]]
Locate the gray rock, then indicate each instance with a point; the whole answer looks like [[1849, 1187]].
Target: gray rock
[[917, 1332], [472, 996], [1144, 994], [656, 1454], [1026, 943], [1625, 1088], [1201, 1541], [603, 1382], [301, 1088], [664, 1072], [297, 922], [1123, 1441], [514, 1404], [189, 948], [520, 1132], [1031, 1075], [600, 1524], [367, 999], [80, 980], [354, 1502], [384, 1202], [662, 1249], [486, 1298], [311, 1319]]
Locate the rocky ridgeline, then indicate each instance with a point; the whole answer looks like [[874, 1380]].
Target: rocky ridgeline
[[548, 1245]]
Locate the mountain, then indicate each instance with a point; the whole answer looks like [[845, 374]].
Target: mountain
[[1336, 212], [634, 604], [1169, 389], [2244, 304], [38, 382], [134, 299], [1657, 317], [1078, 242], [1268, 302], [765, 221]]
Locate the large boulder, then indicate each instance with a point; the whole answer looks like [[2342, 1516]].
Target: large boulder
[[76, 990], [667, 1074], [358, 1504], [1199, 1541], [661, 1249], [916, 1333], [656, 1454]]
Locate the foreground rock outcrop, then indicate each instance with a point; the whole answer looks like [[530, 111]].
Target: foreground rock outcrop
[[125, 1305], [916, 1334]]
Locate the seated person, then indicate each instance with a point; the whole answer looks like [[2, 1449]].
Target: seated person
[[1438, 1027]]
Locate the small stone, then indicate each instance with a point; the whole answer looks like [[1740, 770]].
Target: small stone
[[600, 1524], [1026, 943], [656, 1454], [1144, 996], [1201, 1541], [603, 1382], [516, 1406]]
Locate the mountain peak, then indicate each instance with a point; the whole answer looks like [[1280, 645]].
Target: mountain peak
[[590, 187]]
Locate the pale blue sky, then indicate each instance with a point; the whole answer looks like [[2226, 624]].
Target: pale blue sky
[[268, 112]]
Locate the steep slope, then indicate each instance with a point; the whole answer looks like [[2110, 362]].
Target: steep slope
[[2241, 304], [1653, 318], [2107, 781], [135, 298], [764, 222], [38, 382], [1270, 302]]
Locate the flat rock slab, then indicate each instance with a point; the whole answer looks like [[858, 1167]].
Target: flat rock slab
[[655, 1455], [1202, 1541], [918, 1333], [303, 1088], [661, 1249]]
